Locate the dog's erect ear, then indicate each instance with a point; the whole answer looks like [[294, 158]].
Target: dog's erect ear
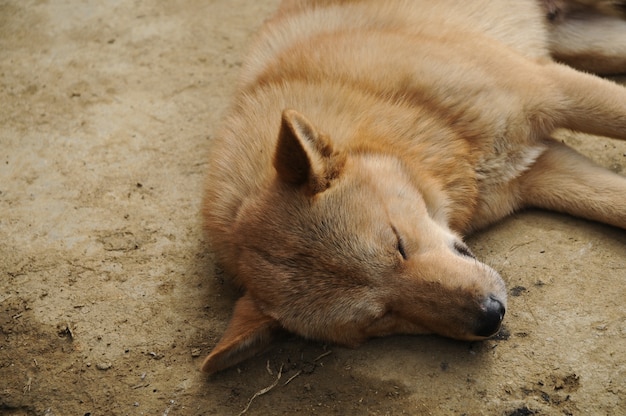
[[248, 332], [304, 155]]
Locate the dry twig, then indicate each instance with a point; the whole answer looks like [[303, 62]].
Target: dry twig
[[263, 391], [322, 356], [292, 377]]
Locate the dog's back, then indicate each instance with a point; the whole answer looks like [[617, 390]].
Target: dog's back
[[299, 21]]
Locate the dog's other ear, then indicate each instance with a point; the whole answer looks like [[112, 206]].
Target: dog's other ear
[[248, 332], [304, 155]]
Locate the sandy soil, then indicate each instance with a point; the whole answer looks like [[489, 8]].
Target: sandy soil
[[109, 298]]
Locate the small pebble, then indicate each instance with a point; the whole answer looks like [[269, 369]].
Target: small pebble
[[104, 366]]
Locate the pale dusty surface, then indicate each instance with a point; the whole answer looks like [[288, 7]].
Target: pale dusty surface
[[109, 298]]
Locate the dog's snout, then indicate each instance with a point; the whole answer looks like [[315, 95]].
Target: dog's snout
[[493, 313]]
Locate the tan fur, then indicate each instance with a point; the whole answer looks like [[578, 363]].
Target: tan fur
[[368, 137]]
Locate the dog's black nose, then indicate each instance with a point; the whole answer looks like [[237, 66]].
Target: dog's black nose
[[493, 313]]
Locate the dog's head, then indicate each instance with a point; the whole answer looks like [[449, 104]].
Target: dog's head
[[341, 247]]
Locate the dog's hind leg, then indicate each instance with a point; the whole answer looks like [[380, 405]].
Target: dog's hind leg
[[590, 41], [563, 180]]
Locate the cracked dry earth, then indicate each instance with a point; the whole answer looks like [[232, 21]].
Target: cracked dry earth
[[109, 298]]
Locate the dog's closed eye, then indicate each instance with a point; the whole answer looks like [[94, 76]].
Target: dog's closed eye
[[462, 250], [400, 244]]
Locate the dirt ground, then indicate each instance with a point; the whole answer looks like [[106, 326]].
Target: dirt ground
[[108, 295]]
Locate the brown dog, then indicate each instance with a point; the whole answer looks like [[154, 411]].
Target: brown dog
[[367, 137]]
